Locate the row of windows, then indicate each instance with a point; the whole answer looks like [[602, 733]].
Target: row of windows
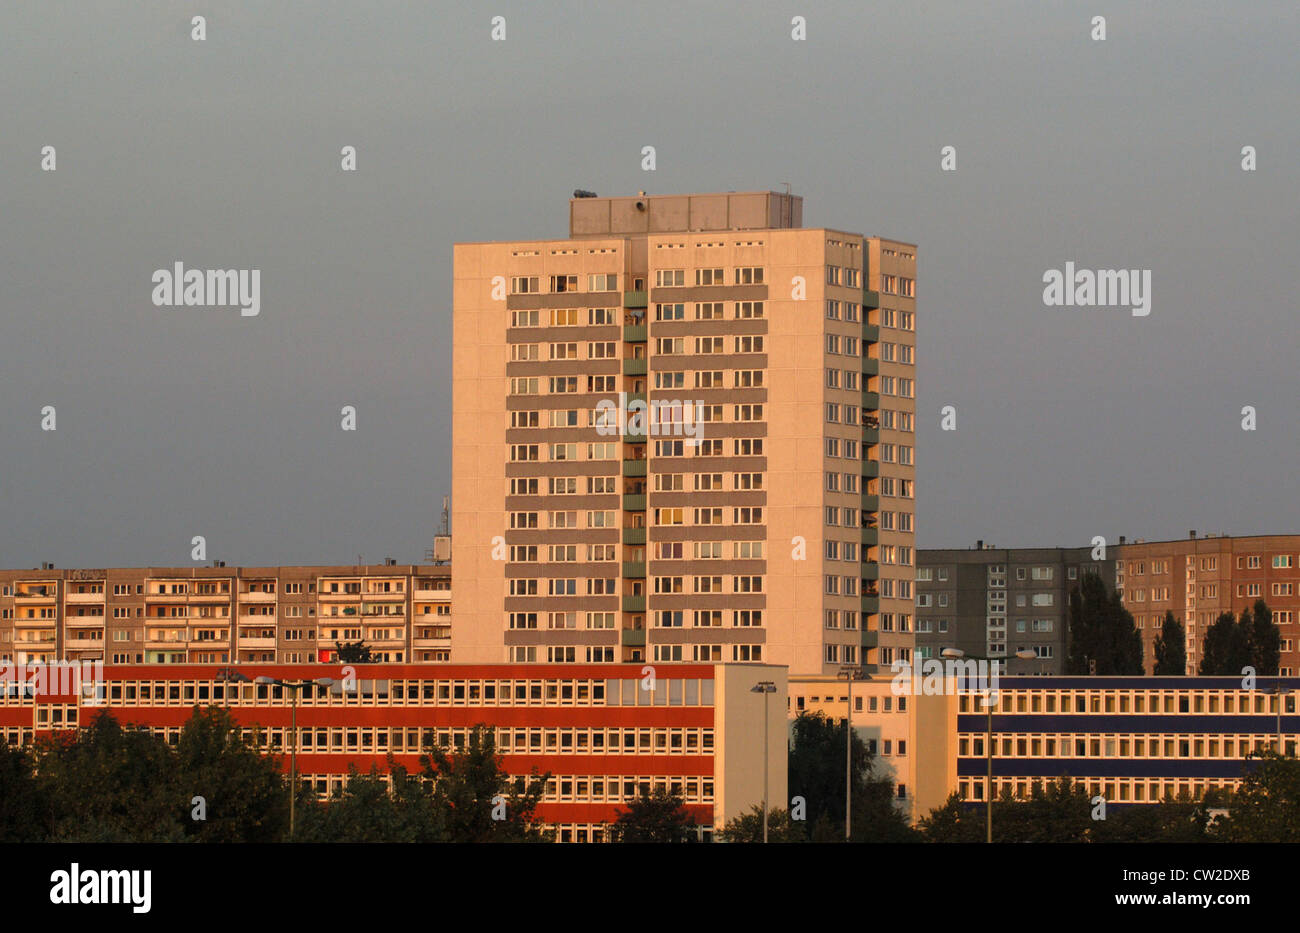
[[1126, 701], [1046, 745], [506, 692], [1135, 790]]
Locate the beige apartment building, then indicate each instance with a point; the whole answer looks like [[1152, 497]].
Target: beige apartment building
[[218, 614], [686, 432], [1199, 578]]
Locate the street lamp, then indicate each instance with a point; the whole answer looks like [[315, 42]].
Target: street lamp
[[764, 687], [294, 687], [850, 674], [1024, 654]]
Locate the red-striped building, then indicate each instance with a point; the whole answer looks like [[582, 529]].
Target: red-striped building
[[603, 732]]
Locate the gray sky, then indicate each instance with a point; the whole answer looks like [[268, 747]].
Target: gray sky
[[175, 422]]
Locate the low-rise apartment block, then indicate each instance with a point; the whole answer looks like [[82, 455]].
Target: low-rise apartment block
[[219, 615]]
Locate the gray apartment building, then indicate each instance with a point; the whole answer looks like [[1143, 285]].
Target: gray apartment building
[[992, 602]]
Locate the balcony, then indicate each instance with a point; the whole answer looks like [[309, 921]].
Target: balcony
[[34, 595], [870, 503], [871, 401], [870, 537], [639, 299], [634, 637], [634, 604], [634, 468], [634, 569], [634, 536], [870, 435], [870, 605], [870, 571], [870, 299], [431, 642], [871, 468], [634, 367], [634, 333], [634, 503], [870, 366], [85, 597], [255, 642], [870, 638], [871, 333], [252, 597], [442, 596]]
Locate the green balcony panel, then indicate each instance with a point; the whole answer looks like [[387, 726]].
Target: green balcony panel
[[870, 638], [634, 467], [634, 569], [634, 367], [634, 536], [871, 333], [870, 571], [634, 333], [870, 537], [636, 397], [634, 604], [871, 401], [870, 299], [870, 366], [870, 503], [635, 299], [870, 605], [634, 637], [632, 438], [633, 502], [870, 436]]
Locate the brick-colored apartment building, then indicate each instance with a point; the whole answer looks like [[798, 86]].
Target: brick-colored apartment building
[[765, 511], [218, 614], [1199, 578]]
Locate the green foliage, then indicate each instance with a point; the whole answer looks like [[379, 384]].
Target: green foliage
[[1102, 637], [1170, 649], [23, 810], [109, 783], [367, 811], [244, 793], [470, 790], [748, 827], [1266, 805], [657, 817], [354, 652], [816, 773], [1231, 645]]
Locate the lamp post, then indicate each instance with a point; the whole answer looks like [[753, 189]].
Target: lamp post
[[764, 687], [294, 687], [850, 674], [1023, 654]]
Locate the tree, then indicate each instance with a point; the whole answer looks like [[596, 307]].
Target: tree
[[953, 822], [366, 810], [475, 796], [1102, 637], [244, 792], [354, 652], [816, 773], [748, 827], [1225, 651], [22, 806], [1264, 639], [1171, 649], [657, 816], [110, 783], [1266, 804]]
